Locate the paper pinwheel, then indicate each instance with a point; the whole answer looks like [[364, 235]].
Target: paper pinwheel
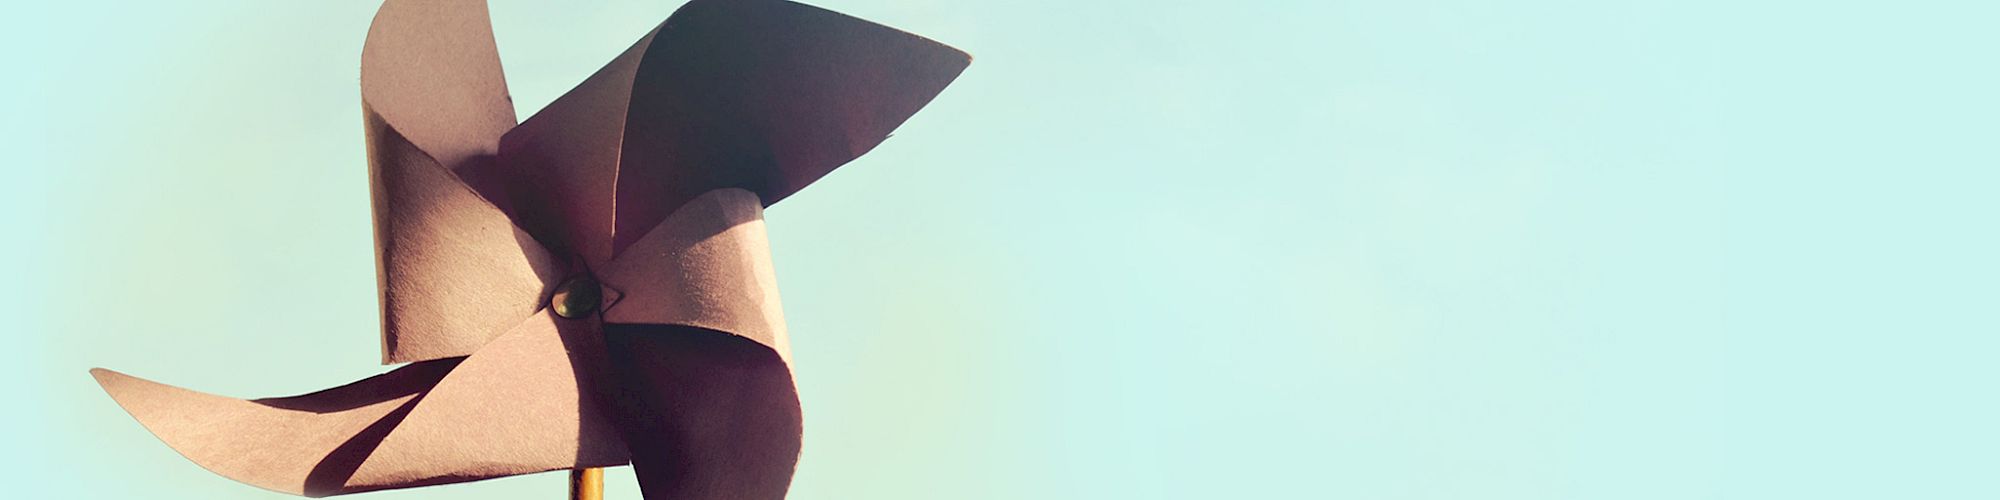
[[591, 287]]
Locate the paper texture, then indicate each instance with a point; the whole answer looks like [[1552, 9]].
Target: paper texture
[[708, 265], [454, 272], [649, 179], [514, 407]]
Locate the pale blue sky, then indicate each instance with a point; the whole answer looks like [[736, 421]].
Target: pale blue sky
[[1141, 249]]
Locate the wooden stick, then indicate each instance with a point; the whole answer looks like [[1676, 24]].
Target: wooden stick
[[586, 484]]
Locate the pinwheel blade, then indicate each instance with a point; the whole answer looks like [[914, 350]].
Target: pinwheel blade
[[707, 265], [706, 414], [518, 406], [764, 95], [454, 271], [699, 363], [430, 71]]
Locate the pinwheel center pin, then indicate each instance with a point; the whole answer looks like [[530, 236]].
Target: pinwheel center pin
[[576, 297]]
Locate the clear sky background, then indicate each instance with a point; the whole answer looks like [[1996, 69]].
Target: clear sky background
[[1141, 249]]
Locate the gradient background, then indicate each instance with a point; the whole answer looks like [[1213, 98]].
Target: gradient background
[[1142, 249]]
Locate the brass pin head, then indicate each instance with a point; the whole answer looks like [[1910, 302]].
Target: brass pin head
[[576, 297]]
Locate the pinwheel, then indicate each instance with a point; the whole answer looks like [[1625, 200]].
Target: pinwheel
[[591, 287]]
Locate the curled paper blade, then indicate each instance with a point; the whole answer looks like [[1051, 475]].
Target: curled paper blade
[[454, 272], [708, 265], [515, 407], [430, 71], [563, 162], [699, 362], [764, 95], [707, 415]]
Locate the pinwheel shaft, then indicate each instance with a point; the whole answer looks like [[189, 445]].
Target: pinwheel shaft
[[586, 484]]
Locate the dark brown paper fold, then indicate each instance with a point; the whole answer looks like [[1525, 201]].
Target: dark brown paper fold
[[762, 95]]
